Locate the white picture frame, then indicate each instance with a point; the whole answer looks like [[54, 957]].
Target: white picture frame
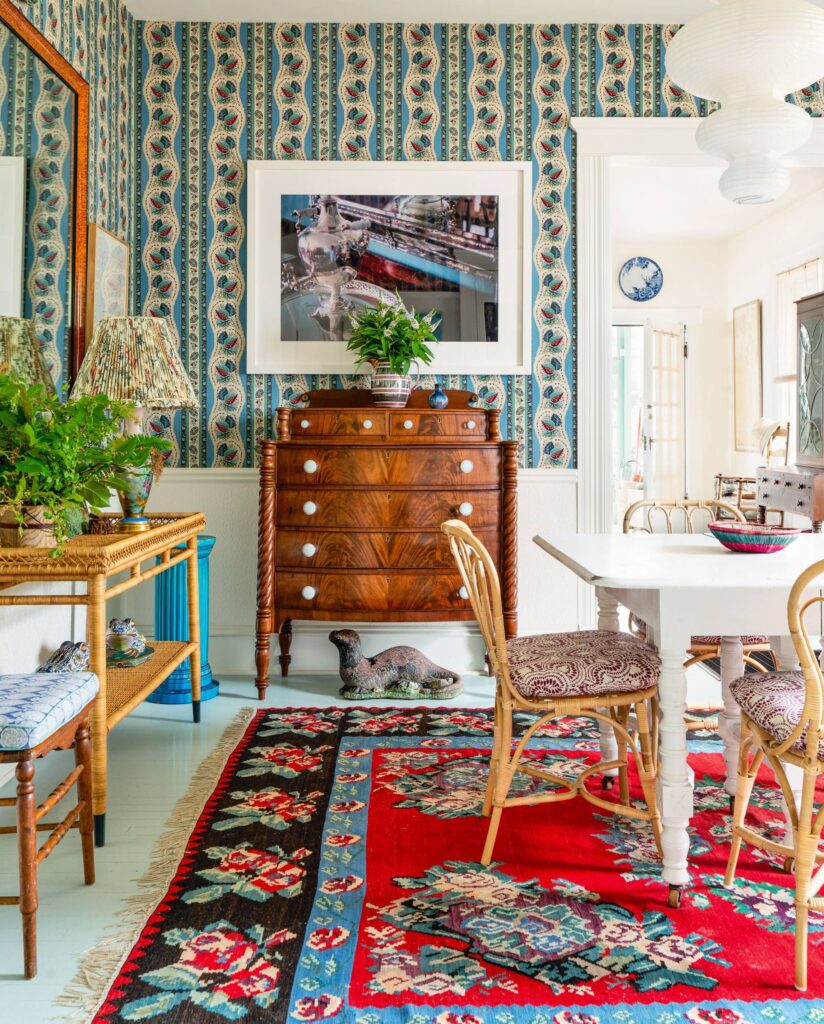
[[269, 180]]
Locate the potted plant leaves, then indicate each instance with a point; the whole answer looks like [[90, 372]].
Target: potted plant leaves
[[60, 460], [392, 338]]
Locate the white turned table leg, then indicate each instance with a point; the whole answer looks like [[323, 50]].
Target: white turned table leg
[[785, 649], [729, 721], [675, 777], [607, 619]]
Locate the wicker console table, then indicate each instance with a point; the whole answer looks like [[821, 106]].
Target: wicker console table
[[93, 559]]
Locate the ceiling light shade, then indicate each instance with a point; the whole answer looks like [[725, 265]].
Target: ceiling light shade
[[748, 55]]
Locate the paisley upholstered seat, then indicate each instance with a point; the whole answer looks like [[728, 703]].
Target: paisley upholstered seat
[[586, 664], [775, 701], [714, 641]]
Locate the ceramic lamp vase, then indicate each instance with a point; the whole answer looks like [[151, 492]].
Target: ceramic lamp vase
[[135, 358]]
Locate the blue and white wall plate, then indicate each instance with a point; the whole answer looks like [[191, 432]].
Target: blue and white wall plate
[[640, 279]]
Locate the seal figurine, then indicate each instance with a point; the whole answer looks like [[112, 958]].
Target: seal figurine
[[403, 673]]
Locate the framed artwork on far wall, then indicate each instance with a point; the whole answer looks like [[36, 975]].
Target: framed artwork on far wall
[[746, 370], [450, 237], [107, 291]]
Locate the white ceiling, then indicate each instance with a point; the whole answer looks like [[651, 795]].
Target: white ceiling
[[650, 203], [516, 11]]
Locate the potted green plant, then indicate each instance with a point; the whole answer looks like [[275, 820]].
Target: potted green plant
[[392, 338], [60, 460]]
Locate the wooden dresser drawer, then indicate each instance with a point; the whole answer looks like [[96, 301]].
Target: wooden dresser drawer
[[322, 549], [313, 423], [335, 466], [379, 509], [459, 423], [370, 592]]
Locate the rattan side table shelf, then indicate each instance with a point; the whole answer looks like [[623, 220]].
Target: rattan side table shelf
[[93, 559]]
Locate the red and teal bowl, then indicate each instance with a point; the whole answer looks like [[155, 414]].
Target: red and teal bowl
[[753, 538]]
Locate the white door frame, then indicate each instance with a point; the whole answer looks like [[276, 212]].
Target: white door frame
[[598, 141]]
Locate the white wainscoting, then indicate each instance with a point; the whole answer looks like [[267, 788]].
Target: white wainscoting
[[548, 593]]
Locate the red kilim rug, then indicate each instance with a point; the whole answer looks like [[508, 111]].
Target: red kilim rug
[[333, 873]]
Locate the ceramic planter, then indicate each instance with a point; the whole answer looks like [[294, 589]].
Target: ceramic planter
[[390, 390], [37, 530]]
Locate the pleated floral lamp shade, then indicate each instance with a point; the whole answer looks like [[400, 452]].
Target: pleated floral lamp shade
[[135, 358], [21, 355]]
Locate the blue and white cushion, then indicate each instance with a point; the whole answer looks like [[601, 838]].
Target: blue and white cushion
[[33, 707]]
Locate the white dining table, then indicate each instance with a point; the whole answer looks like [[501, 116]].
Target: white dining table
[[685, 585]]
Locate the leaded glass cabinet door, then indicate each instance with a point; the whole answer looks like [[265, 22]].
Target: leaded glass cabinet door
[[811, 381]]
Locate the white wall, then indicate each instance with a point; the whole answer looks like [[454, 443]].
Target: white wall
[[28, 635], [695, 274], [754, 258]]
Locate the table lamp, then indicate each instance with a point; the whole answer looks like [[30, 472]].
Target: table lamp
[[135, 358], [21, 355]]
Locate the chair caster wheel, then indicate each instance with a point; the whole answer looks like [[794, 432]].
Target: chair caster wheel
[[608, 782], [674, 897], [789, 865]]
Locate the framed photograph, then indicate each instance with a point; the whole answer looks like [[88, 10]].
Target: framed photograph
[[746, 369], [107, 291], [449, 237]]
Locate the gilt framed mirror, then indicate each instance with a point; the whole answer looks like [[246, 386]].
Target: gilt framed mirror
[[44, 147]]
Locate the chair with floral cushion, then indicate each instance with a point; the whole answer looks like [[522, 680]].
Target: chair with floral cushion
[[595, 674], [657, 516], [782, 722], [40, 713]]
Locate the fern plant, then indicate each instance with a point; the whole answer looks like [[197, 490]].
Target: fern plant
[[393, 334]]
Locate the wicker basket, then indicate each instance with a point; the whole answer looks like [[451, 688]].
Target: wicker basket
[[37, 530]]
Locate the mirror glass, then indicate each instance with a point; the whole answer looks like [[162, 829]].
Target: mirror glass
[[36, 166]]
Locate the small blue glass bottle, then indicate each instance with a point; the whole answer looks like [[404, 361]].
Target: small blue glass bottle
[[439, 398]]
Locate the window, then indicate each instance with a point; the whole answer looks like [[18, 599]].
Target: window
[[792, 284]]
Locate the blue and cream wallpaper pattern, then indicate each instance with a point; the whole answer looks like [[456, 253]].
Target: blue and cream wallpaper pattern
[[96, 36], [198, 100]]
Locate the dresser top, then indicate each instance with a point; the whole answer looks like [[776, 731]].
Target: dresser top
[[361, 398]]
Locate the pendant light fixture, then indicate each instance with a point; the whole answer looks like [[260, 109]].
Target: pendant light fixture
[[748, 55]]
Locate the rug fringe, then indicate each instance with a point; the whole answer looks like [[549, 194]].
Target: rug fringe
[[100, 965]]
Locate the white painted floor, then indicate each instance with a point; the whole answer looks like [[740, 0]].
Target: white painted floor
[[152, 756]]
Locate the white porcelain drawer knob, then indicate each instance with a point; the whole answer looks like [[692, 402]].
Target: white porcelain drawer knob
[[463, 593], [465, 508], [310, 466], [304, 424], [308, 593], [408, 424], [467, 466], [367, 424], [470, 424], [308, 550], [310, 508]]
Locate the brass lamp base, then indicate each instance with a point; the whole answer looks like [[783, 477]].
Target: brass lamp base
[[134, 525]]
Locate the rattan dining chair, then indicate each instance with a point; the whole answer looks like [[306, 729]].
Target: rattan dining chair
[[693, 516], [596, 674], [782, 721]]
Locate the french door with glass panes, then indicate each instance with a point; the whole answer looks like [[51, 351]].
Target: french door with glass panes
[[664, 414]]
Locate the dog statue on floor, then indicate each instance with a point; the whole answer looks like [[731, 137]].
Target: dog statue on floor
[[402, 673]]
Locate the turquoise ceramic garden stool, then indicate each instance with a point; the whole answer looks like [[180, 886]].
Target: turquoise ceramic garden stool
[[172, 623]]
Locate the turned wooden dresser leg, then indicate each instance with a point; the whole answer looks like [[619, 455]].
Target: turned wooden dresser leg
[[285, 641], [262, 649]]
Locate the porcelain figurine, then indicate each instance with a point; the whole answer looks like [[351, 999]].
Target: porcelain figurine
[[69, 657], [439, 398], [399, 672], [123, 638]]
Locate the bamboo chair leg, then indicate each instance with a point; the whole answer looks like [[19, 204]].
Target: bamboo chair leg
[[806, 847], [647, 772], [623, 775], [82, 756], [504, 773], [494, 757], [747, 772], [802, 914], [27, 847]]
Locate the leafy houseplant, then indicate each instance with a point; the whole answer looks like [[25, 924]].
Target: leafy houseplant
[[392, 338], [59, 460]]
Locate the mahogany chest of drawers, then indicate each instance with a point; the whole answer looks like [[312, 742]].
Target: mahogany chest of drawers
[[352, 498]]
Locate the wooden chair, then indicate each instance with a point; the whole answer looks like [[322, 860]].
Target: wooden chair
[[782, 721], [40, 713], [596, 674], [663, 516]]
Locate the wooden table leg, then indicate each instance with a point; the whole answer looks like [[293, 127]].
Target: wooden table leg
[[27, 854], [729, 721], [193, 600], [675, 779], [96, 639]]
